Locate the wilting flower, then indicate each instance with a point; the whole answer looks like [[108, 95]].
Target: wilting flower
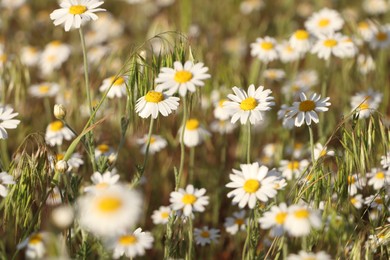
[[194, 133]]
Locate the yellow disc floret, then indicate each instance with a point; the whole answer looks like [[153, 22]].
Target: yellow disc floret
[[192, 124], [154, 97], [56, 126], [77, 9], [251, 185], [183, 76], [248, 104], [127, 240], [189, 199], [109, 204], [307, 105]]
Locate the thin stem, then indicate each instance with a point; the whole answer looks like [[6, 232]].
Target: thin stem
[[4, 158], [148, 144], [311, 144], [248, 148], [46, 103], [192, 164], [182, 146], [190, 239]]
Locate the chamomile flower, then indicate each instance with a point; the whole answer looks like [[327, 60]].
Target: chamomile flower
[[194, 133], [274, 74], [189, 200], [74, 13], [219, 111], [323, 22], [378, 178], [237, 222], [54, 198], [249, 6], [12, 4], [44, 89], [5, 179], [251, 105], [155, 103], [117, 86], [354, 183], [365, 103], [375, 7], [251, 184], [109, 211], [321, 151], [300, 41], [275, 219], [365, 64], [308, 255], [264, 49], [385, 160], [366, 29], [181, 78], [222, 126], [305, 111], [62, 216], [56, 132], [301, 219], [157, 143], [376, 201], [161, 215], [53, 56], [74, 162], [206, 235], [102, 181], [35, 245], [293, 169], [104, 150], [381, 37], [7, 120], [131, 244], [287, 53], [357, 201], [287, 122], [333, 44], [29, 56]]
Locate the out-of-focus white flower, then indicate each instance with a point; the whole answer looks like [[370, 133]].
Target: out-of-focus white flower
[[264, 49], [206, 235], [194, 133], [323, 22]]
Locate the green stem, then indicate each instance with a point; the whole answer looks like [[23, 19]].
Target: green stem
[[48, 109], [4, 162], [182, 146], [192, 164], [148, 144], [248, 148], [190, 239], [311, 144]]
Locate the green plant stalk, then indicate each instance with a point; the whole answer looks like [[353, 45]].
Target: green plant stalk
[[4, 162], [192, 164], [185, 15], [48, 109], [248, 147], [148, 145], [189, 255], [182, 146], [311, 144], [248, 252]]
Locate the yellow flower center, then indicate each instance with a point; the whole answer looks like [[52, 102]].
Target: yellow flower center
[[152, 140], [363, 25], [188, 199], [165, 214], [307, 105], [127, 240], [323, 153], [351, 180], [118, 81], [364, 106], [55, 43], [248, 104], [3, 57], [280, 217], [103, 148], [109, 204], [381, 36], [378, 200], [239, 221], [56, 126], [267, 46], [330, 43], [251, 186], [192, 124], [380, 175], [293, 165], [354, 200], [43, 89], [220, 103], [205, 234], [309, 258], [301, 35], [301, 213], [60, 156], [77, 9], [183, 76], [35, 239], [323, 22], [154, 97]]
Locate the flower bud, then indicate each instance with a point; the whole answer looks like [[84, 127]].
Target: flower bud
[[59, 111], [61, 166]]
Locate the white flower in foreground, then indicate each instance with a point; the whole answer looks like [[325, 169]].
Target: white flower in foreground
[[251, 105], [6, 120], [264, 49], [5, 179], [157, 143], [275, 218], [204, 235], [161, 215], [307, 255], [236, 222], [194, 133], [102, 181], [301, 219], [131, 245], [306, 109], [379, 178], [35, 245], [117, 86], [62, 216], [73, 13], [324, 22], [155, 103], [189, 200], [56, 132], [250, 184], [182, 78], [110, 211], [321, 151]]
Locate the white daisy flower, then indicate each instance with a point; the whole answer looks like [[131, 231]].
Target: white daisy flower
[[181, 78], [104, 29], [301, 219], [55, 197], [381, 37], [204, 235], [109, 211], [62, 216], [194, 133], [104, 150], [222, 126], [7, 121], [249, 105], [102, 181], [12, 4], [366, 29], [44, 89], [264, 49], [29, 56], [154, 103], [274, 74], [334, 44], [275, 219], [250, 184], [293, 169], [97, 53], [378, 178], [287, 122], [131, 245], [308, 255], [157, 143], [53, 56], [300, 41], [161, 215], [354, 183], [56, 132], [365, 103], [376, 201], [324, 22], [5, 179], [74, 162], [249, 6], [307, 78], [357, 201], [189, 200], [219, 110], [305, 111], [321, 151], [74, 13], [375, 7], [385, 160], [35, 245], [365, 64], [117, 86], [287, 53], [237, 222]]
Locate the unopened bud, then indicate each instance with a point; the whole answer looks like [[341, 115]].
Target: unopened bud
[[61, 166], [59, 111], [112, 158]]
